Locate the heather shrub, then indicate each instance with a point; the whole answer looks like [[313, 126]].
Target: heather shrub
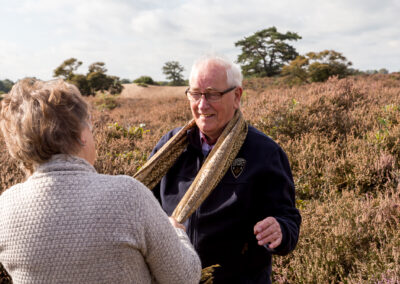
[[342, 138], [347, 238]]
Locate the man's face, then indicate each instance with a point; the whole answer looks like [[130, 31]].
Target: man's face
[[212, 117]]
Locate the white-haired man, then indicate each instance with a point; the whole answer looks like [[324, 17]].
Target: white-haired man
[[239, 178]]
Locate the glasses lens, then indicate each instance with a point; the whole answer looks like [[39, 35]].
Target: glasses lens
[[213, 97], [194, 96]]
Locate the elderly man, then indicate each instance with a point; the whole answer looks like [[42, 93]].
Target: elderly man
[[236, 180]]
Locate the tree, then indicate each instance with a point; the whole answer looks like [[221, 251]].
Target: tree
[[317, 67], [95, 80], [97, 67], [67, 68], [173, 71], [99, 81], [265, 52], [82, 83]]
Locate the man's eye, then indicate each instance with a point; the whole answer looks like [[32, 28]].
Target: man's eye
[[214, 95]]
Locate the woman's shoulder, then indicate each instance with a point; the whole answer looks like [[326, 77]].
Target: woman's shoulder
[[130, 194], [11, 191], [119, 181], [122, 185]]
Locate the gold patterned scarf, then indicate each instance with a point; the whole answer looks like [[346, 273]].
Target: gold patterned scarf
[[214, 168]]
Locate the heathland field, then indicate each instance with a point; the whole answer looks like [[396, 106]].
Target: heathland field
[[342, 138]]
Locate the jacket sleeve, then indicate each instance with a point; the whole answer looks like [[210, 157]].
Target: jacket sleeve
[[167, 250], [278, 198]]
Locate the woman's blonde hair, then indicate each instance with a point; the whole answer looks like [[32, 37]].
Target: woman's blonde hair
[[39, 119]]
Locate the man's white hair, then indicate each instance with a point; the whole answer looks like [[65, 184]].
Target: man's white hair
[[233, 73]]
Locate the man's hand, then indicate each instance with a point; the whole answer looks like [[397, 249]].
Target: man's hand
[[176, 224], [268, 231]]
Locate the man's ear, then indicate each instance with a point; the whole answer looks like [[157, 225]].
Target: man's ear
[[238, 96]]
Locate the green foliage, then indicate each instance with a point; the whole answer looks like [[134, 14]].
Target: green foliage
[[116, 86], [173, 71], [317, 67], [82, 83], [129, 156], [67, 68], [6, 85], [133, 132], [94, 81], [383, 71], [162, 83], [105, 101], [265, 52], [380, 71], [97, 67], [145, 80], [125, 81], [98, 81]]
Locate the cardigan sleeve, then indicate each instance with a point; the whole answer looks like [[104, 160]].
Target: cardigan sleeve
[[167, 251]]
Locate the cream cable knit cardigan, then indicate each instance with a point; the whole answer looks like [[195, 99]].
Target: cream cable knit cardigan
[[69, 224]]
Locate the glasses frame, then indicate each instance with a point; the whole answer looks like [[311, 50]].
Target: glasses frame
[[206, 94]]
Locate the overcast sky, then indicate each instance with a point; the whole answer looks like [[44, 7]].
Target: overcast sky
[[136, 37]]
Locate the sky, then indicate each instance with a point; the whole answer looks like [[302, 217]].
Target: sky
[[136, 37]]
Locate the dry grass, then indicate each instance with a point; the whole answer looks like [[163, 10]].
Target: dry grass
[[342, 138], [151, 91]]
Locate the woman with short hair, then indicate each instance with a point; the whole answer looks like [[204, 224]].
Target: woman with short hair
[[66, 222]]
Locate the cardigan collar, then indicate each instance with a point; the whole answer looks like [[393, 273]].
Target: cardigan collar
[[63, 162]]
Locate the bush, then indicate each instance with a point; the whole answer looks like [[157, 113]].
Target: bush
[[144, 80], [105, 102], [125, 81], [5, 86]]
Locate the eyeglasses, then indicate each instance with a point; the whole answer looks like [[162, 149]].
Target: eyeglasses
[[211, 96]]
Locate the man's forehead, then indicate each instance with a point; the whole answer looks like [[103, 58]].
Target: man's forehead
[[209, 76]]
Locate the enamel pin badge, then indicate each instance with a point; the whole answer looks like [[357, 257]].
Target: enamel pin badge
[[237, 167]]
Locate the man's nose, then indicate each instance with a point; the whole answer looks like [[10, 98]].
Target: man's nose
[[203, 103]]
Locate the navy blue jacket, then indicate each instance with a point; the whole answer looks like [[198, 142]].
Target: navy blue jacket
[[221, 229]]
